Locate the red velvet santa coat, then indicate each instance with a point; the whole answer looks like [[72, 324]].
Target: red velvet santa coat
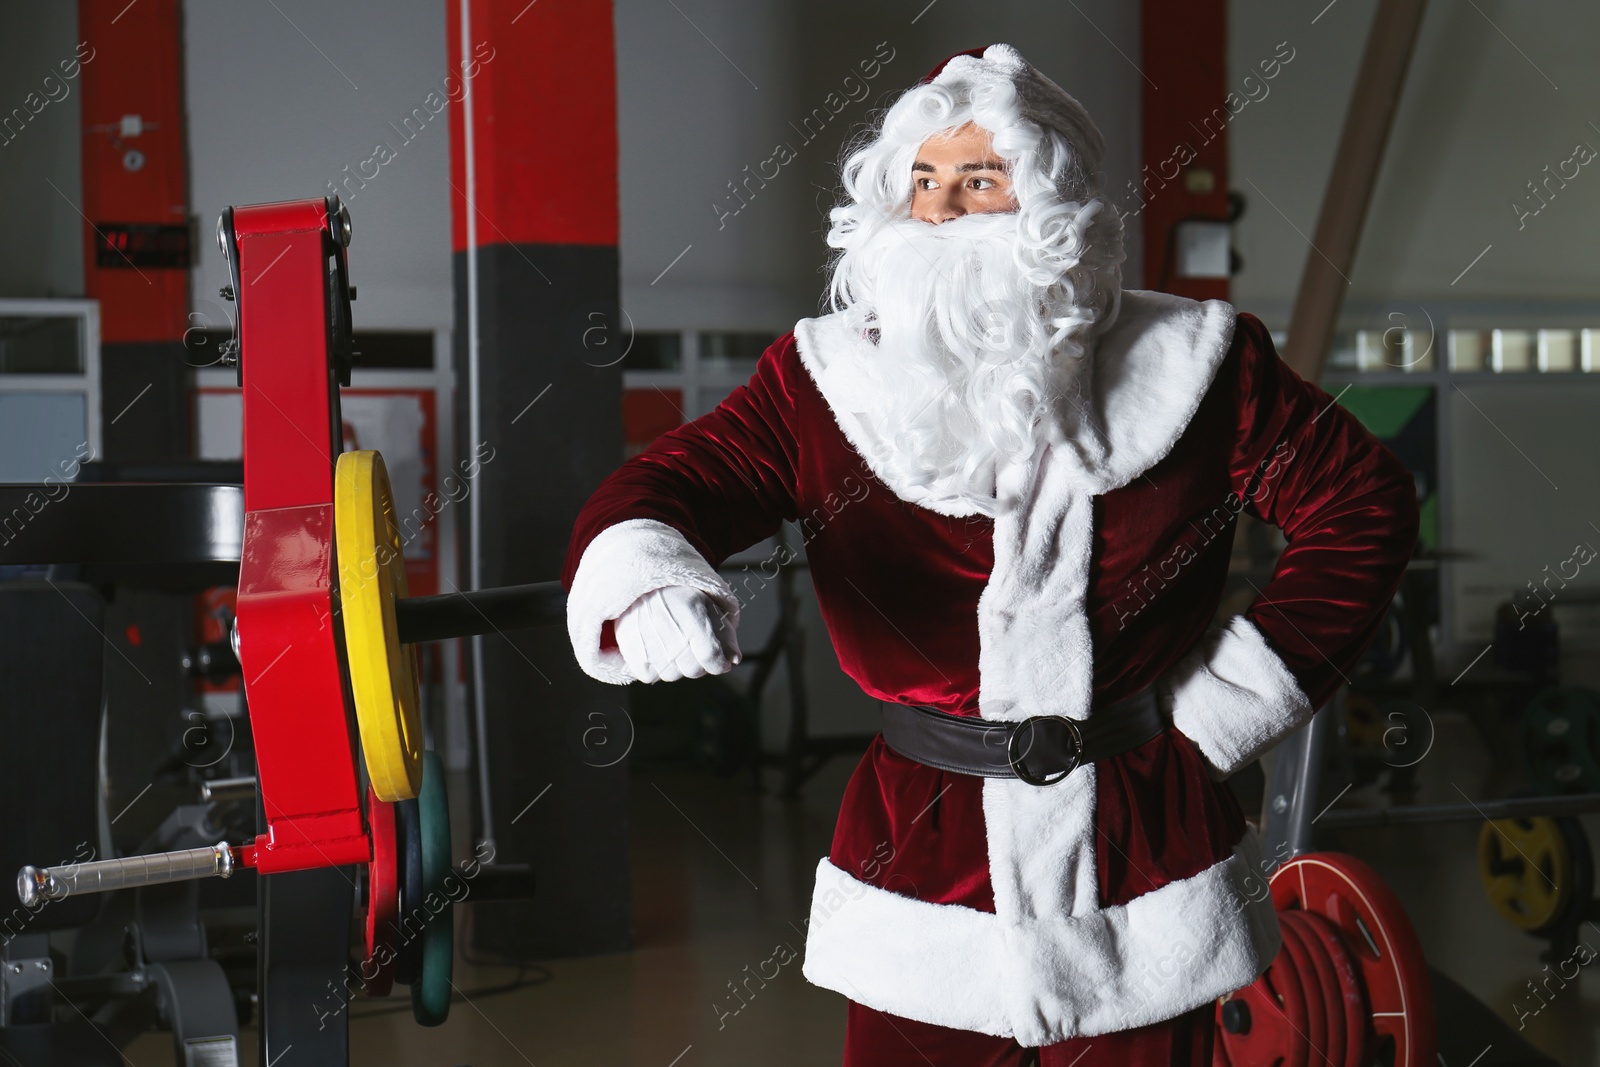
[[1130, 892]]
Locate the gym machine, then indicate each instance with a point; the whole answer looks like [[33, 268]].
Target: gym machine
[[142, 959], [323, 637]]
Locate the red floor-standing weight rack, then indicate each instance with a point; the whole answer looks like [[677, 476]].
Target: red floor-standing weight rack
[[327, 845]]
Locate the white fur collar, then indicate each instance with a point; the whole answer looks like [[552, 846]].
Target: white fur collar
[[1150, 370]]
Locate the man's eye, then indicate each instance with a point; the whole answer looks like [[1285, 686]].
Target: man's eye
[[983, 184], [925, 184]]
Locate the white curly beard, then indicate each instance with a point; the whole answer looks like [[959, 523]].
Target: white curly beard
[[969, 355]]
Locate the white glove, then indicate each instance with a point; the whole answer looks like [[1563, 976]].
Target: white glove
[[676, 632]]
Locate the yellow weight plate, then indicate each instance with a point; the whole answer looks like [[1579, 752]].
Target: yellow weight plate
[[383, 675], [1527, 871]]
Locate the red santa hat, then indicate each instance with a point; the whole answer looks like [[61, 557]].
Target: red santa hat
[[976, 53]]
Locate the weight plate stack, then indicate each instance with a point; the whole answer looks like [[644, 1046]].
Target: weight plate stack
[[1349, 988], [1349, 1016], [1367, 917], [1324, 1000]]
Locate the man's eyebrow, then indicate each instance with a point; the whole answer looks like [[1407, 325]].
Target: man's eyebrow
[[965, 168]]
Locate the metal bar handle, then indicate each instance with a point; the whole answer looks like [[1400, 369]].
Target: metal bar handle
[[221, 790], [1472, 811], [481, 611], [35, 884]]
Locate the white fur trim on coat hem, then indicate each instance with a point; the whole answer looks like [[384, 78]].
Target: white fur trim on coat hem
[[622, 564], [1234, 698], [1050, 977]]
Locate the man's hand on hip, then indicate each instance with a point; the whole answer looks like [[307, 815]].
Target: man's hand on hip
[[676, 632]]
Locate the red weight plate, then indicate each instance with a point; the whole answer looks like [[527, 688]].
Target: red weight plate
[[383, 898], [1276, 1037], [1311, 989], [1292, 994], [1371, 922], [1356, 1018], [1330, 999]]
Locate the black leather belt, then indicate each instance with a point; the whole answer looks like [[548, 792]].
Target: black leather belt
[[1040, 750]]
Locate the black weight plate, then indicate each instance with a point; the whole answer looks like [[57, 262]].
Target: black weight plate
[[413, 915]]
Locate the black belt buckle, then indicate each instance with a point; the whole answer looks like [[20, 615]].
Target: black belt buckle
[[1015, 759]]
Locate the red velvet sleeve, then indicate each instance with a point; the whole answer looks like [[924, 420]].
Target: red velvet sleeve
[[1345, 503], [725, 480]]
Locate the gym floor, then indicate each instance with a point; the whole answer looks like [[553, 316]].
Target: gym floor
[[722, 878]]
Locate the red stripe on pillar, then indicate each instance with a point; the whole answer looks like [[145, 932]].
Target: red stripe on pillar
[[135, 71], [543, 85], [1185, 51]]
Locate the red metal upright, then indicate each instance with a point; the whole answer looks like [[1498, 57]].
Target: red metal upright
[[1184, 122], [135, 191], [287, 263]]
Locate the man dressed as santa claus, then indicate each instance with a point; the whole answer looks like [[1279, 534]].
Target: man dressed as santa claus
[[1019, 484]]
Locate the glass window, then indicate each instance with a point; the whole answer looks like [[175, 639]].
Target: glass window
[[38, 431], [41, 344], [655, 351], [1512, 350], [1558, 350], [733, 351], [1589, 350], [1469, 350]]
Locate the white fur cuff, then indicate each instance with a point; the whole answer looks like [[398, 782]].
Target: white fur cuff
[[619, 566], [1234, 698]]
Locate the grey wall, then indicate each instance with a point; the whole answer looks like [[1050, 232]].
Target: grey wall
[[710, 86], [283, 97], [1524, 512], [41, 232], [1496, 91]]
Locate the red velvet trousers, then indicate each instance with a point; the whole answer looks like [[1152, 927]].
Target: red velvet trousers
[[878, 1039]]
